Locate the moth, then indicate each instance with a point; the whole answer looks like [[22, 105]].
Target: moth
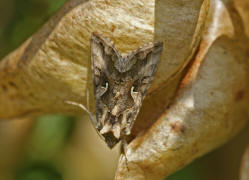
[[120, 85]]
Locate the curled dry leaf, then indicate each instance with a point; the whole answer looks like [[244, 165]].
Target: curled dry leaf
[[198, 99], [53, 65], [210, 106], [244, 171]]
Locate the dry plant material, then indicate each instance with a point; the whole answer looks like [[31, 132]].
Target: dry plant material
[[54, 64], [197, 101], [211, 104], [244, 171]]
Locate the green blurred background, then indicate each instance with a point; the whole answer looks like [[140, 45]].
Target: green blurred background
[[56, 147]]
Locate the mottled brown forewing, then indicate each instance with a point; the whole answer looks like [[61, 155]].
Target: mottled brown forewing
[[120, 85]]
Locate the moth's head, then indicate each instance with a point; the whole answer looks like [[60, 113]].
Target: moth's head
[[120, 85]]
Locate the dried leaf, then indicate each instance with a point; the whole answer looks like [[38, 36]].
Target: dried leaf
[[198, 100], [243, 9], [244, 172], [210, 107], [53, 65]]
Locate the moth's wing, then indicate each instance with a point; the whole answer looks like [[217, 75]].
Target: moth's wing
[[146, 65], [102, 54], [145, 61]]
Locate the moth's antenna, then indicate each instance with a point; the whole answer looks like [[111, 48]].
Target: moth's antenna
[[82, 107], [88, 112]]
